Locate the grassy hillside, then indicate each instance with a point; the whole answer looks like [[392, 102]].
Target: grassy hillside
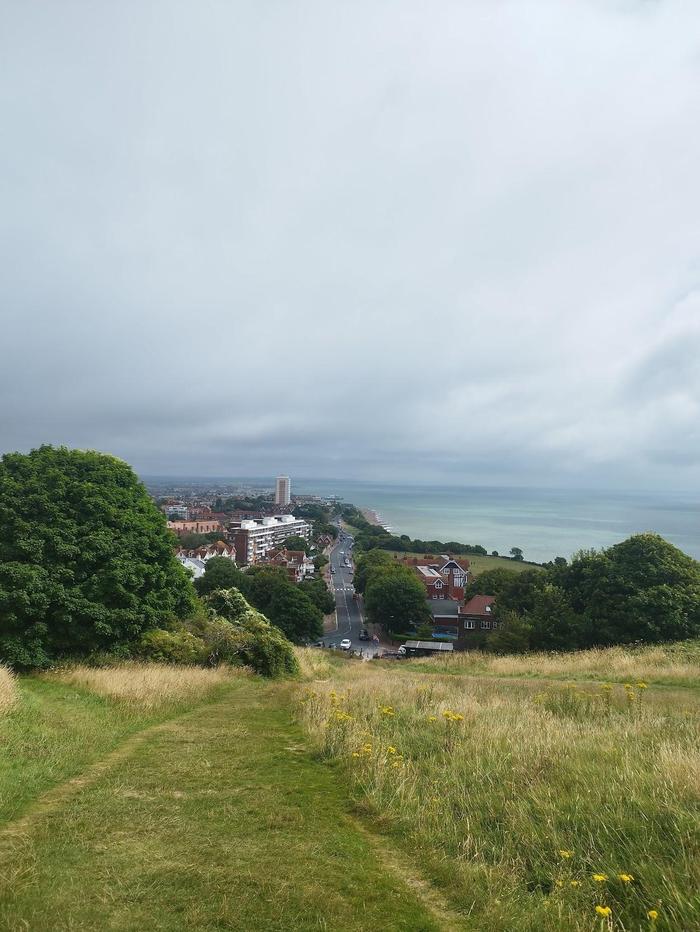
[[531, 800], [479, 564], [478, 793], [169, 799]]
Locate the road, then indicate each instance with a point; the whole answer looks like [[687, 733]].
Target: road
[[347, 610]]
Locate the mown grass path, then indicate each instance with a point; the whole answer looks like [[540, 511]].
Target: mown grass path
[[220, 818]]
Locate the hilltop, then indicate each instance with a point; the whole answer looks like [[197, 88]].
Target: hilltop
[[479, 793]]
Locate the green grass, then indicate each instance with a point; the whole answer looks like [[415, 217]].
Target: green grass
[[524, 766], [218, 818], [478, 564]]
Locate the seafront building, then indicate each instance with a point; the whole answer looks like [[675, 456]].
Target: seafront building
[[283, 491], [254, 539]]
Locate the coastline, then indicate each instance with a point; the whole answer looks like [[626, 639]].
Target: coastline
[[374, 518]]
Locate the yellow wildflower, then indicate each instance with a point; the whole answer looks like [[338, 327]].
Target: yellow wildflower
[[625, 878], [575, 883], [391, 749], [387, 710], [559, 883], [355, 753], [641, 685], [432, 718], [653, 915], [565, 854], [396, 763], [600, 878], [603, 911]]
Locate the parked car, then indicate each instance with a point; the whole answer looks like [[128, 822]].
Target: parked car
[[345, 644], [364, 635]]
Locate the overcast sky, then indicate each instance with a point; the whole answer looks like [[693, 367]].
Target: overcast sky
[[450, 241]]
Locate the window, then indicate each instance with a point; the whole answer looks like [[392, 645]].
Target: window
[[494, 624], [488, 608], [438, 584], [469, 625], [486, 625]]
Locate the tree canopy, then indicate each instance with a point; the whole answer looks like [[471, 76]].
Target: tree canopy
[[86, 559], [641, 590], [395, 598]]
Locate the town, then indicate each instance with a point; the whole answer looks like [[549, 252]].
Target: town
[[306, 538]]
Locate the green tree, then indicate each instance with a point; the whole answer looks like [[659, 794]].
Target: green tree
[[491, 582], [368, 563], [511, 637], [293, 612], [516, 553], [395, 598], [86, 560], [317, 591], [219, 573], [296, 542]]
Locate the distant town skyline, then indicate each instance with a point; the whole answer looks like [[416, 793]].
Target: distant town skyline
[[386, 242]]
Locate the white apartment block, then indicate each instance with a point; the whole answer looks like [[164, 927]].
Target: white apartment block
[[254, 538]]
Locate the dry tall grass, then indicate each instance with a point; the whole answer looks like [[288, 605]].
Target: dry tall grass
[[8, 689], [668, 663], [516, 793], [148, 685]]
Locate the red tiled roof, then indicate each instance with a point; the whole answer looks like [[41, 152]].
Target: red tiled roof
[[477, 605]]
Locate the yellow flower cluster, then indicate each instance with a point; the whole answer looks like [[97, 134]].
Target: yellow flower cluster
[[625, 878], [453, 716], [341, 716], [388, 710], [565, 854], [603, 911], [600, 878], [653, 915]]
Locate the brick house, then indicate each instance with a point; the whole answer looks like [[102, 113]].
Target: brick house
[[476, 619], [445, 578]]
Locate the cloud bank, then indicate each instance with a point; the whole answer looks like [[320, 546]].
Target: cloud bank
[[454, 242]]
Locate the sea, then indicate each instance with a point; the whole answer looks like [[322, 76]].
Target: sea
[[544, 523]]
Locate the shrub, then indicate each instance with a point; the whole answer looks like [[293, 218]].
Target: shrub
[[181, 647], [245, 636]]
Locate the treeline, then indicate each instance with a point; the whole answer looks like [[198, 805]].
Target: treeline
[[371, 536], [641, 590]]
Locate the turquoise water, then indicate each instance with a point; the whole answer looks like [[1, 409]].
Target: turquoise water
[[544, 523]]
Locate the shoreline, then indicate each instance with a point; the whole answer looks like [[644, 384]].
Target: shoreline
[[375, 518]]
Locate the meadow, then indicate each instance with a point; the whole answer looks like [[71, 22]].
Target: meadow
[[539, 792], [479, 564], [533, 801]]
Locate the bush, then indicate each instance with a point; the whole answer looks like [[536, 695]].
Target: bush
[[245, 636], [181, 647]]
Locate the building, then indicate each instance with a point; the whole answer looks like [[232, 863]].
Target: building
[[445, 614], [195, 527], [443, 578], [255, 539], [295, 562], [193, 566], [282, 491], [218, 549], [476, 619]]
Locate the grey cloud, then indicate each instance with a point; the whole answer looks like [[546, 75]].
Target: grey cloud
[[372, 240]]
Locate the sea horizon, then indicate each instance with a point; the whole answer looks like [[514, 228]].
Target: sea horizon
[[543, 522]]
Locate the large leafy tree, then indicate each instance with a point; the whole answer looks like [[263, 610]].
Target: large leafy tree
[[219, 573], [86, 560], [395, 598]]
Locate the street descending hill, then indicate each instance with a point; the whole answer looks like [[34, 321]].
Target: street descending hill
[[530, 793]]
